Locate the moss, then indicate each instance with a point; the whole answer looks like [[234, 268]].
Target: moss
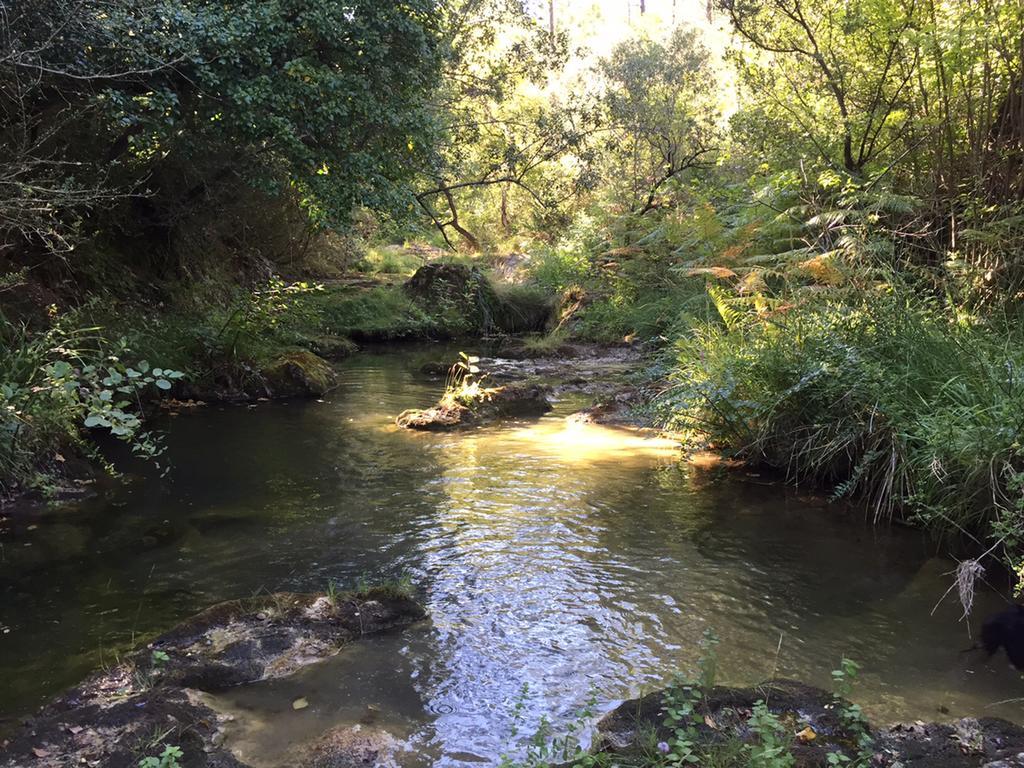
[[375, 314], [299, 373], [331, 347]]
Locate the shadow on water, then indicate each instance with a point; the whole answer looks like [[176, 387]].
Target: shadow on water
[[575, 560]]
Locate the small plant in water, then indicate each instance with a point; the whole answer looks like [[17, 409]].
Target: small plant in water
[[169, 758], [332, 592], [463, 386]]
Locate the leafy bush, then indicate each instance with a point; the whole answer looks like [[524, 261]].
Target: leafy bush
[[58, 382]]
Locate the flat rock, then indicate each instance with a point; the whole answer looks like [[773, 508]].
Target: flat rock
[[154, 697], [515, 400]]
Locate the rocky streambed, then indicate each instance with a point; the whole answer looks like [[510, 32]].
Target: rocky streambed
[[157, 697], [158, 701]]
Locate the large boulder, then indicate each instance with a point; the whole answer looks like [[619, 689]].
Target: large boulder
[[440, 281], [477, 304]]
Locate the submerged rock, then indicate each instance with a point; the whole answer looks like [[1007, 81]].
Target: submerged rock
[[814, 727], [348, 746], [153, 698], [510, 401], [619, 410]]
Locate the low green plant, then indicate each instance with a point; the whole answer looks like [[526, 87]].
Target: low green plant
[[851, 716], [170, 757], [159, 659], [771, 746], [332, 592], [545, 749], [464, 383], [56, 383]]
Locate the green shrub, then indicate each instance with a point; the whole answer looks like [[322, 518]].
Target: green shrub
[[883, 399], [56, 383]]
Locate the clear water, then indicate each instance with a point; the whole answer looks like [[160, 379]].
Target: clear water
[[575, 561]]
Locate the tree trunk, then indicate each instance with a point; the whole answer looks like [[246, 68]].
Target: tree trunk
[[551, 17], [504, 209], [468, 236]]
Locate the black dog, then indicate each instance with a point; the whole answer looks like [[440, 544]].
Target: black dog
[[1005, 629]]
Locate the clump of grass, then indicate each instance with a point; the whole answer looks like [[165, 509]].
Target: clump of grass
[[383, 313], [884, 399], [389, 260], [545, 344], [394, 588]]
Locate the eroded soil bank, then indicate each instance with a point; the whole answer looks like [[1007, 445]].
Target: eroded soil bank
[[814, 724]]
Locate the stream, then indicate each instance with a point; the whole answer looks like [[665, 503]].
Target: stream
[[558, 562]]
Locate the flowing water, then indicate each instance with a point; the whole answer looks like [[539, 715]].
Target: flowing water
[[558, 563]]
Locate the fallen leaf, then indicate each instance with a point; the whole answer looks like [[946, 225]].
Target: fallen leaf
[[300, 703], [807, 734], [75, 729], [59, 458], [40, 752], [709, 721]]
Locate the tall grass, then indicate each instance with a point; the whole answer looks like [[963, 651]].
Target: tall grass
[[884, 398]]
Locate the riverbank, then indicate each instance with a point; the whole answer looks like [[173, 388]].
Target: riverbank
[[103, 367], [174, 704], [152, 706]]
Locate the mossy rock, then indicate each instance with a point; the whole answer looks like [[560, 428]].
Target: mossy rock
[[332, 347], [481, 305], [516, 400], [110, 718], [299, 373]]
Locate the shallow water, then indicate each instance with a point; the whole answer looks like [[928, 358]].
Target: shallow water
[[576, 561]]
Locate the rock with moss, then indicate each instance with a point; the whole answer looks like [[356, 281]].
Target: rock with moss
[[157, 696], [485, 405], [812, 725], [333, 347], [298, 373], [478, 304]]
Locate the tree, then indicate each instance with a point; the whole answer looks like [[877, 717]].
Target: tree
[[661, 109], [327, 102], [503, 130], [840, 71]]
